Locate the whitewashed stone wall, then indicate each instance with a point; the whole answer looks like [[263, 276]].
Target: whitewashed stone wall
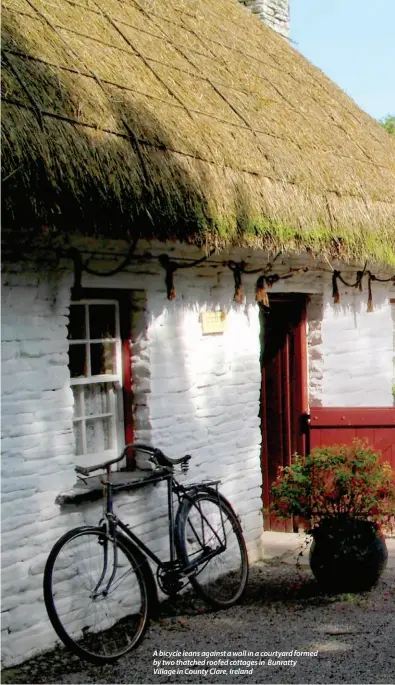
[[357, 351], [205, 399], [187, 399], [193, 393], [315, 313], [275, 13], [37, 451], [199, 394]]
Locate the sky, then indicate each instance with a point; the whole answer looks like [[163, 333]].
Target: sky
[[353, 42]]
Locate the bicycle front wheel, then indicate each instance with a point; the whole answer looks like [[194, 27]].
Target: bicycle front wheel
[[209, 538], [96, 595]]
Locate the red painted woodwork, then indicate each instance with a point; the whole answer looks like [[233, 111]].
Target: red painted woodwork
[[332, 425], [127, 390], [284, 389]]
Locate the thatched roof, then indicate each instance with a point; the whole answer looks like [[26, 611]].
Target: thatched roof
[[185, 119]]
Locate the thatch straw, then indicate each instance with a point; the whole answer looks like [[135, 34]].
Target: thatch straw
[[186, 119]]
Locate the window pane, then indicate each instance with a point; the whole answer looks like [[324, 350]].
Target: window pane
[[77, 322], [79, 446], [77, 361], [103, 359], [78, 400], [102, 321], [97, 399], [98, 435]]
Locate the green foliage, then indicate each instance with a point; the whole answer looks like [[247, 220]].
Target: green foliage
[[342, 481], [389, 123]]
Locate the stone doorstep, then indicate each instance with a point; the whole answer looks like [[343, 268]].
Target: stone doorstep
[[287, 546]]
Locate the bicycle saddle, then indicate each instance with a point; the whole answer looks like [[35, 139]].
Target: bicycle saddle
[[160, 457], [164, 460]]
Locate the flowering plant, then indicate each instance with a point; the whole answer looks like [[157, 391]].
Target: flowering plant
[[346, 482]]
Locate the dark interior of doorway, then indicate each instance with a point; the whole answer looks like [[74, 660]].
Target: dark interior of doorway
[[284, 399]]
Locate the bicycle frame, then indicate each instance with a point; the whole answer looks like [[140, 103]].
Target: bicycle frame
[[173, 487]]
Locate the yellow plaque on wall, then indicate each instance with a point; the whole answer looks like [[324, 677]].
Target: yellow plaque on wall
[[213, 322]]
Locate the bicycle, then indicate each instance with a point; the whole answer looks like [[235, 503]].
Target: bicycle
[[99, 588]]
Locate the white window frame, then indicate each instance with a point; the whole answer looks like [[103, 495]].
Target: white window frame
[[114, 381]]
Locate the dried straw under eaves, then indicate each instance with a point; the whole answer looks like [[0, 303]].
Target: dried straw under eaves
[[185, 119]]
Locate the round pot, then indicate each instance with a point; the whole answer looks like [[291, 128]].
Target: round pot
[[347, 555]]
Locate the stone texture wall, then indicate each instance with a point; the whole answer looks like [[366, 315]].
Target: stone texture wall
[[357, 351], [192, 393], [275, 13], [204, 400], [200, 394], [182, 404], [37, 451], [315, 312]]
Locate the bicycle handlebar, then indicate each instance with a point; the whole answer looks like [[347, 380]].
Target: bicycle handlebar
[[158, 456], [86, 470]]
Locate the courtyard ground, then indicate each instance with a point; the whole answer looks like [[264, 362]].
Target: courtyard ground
[[285, 631]]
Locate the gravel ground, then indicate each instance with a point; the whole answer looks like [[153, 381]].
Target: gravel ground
[[352, 638]]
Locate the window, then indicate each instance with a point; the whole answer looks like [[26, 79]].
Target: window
[[96, 377]]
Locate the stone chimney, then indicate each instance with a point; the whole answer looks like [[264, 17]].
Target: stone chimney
[[275, 13]]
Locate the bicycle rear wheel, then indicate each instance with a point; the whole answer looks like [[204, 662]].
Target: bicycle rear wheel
[[96, 595], [206, 526]]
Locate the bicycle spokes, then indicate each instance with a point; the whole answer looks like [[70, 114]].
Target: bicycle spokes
[[211, 544], [205, 530], [95, 595]]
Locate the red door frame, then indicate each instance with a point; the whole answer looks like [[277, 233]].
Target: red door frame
[[285, 366]]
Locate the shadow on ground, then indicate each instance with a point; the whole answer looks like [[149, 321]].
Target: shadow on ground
[[272, 585]]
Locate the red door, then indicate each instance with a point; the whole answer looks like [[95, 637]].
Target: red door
[[284, 389]]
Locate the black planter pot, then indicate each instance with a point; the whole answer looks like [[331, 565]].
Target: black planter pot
[[347, 555]]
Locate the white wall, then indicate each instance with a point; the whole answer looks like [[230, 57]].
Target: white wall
[[37, 451], [193, 394], [196, 395], [205, 399], [357, 350]]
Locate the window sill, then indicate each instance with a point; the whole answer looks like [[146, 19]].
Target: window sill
[[92, 489]]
